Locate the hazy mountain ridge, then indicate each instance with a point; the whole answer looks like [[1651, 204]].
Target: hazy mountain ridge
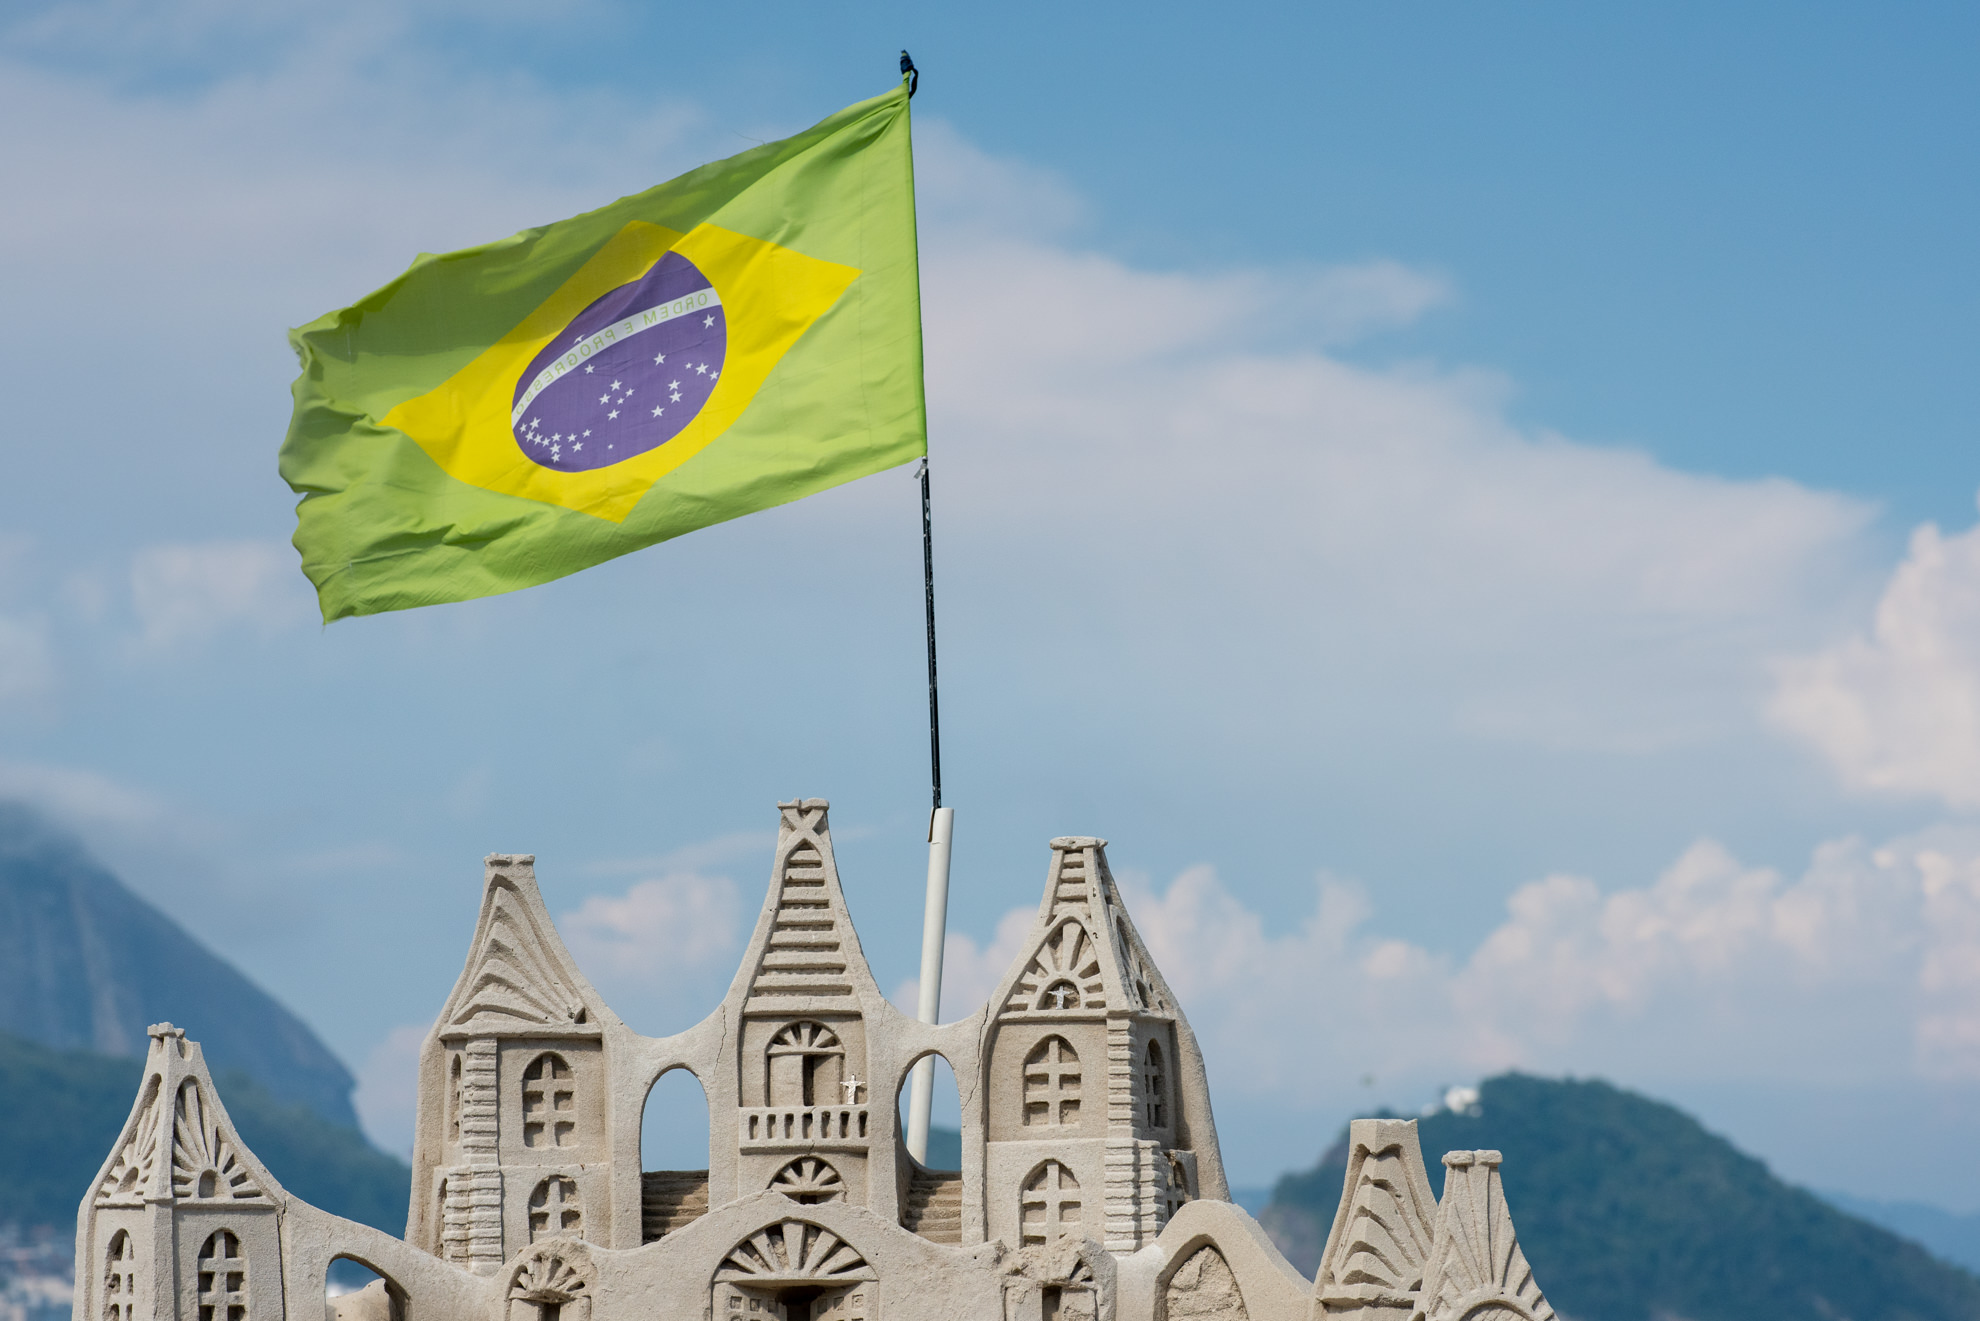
[[1629, 1210], [1948, 1235], [86, 964], [55, 1147]]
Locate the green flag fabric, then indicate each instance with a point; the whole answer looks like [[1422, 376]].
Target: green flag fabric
[[743, 336]]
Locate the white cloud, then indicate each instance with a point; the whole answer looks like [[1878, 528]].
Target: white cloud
[[692, 916], [1899, 711], [83, 798], [215, 165], [658, 953], [1862, 971], [184, 594], [1166, 456], [970, 971], [387, 1096]]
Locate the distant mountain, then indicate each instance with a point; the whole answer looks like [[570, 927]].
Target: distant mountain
[[1630, 1211], [1948, 1235], [70, 1105], [85, 963]]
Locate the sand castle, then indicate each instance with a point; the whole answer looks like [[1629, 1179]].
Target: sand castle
[[1091, 1188]]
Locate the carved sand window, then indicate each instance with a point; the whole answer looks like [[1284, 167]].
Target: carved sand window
[[809, 1181], [454, 1101], [1155, 1085], [1049, 1205], [120, 1278], [546, 1287], [1177, 1193], [1051, 1083], [554, 1209], [222, 1278], [549, 1103], [806, 1066]]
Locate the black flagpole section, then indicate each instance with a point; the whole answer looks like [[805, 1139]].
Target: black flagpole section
[[928, 597], [913, 75]]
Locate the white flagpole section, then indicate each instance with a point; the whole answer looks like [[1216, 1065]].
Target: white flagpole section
[[934, 923]]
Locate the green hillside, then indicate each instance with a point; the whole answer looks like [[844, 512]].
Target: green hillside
[[53, 1148], [1630, 1211]]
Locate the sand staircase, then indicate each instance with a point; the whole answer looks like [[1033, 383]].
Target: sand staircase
[[670, 1200], [934, 1205]]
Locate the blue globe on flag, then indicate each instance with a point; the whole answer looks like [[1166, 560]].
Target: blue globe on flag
[[627, 374]]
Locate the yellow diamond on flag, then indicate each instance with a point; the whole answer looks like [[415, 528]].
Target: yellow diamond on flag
[[628, 370]]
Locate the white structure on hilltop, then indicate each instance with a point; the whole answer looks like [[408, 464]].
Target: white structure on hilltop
[[1091, 1188]]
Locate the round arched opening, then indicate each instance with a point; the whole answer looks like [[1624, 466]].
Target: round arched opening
[[356, 1292], [944, 1112], [673, 1147]]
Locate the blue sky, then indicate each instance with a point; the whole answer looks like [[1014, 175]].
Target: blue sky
[[1476, 503]]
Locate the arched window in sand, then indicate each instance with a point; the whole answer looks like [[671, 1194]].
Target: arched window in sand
[[454, 1101], [1049, 1206], [809, 1181], [223, 1271], [1051, 1084], [549, 1096], [554, 1209], [120, 1278], [1154, 1086], [806, 1066]]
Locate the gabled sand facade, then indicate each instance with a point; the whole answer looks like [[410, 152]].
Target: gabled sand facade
[[1091, 1188]]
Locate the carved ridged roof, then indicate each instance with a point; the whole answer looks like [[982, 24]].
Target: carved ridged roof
[[1083, 941], [1386, 1224], [1476, 1267], [519, 976], [805, 951], [179, 1143]]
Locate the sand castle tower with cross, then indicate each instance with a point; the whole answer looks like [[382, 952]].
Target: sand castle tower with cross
[[1090, 1187]]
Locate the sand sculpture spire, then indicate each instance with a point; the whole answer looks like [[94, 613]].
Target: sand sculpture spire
[[805, 950], [1382, 1234], [1087, 1032], [181, 1204], [1476, 1267]]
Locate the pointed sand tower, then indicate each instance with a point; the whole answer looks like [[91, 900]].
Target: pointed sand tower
[[1099, 1112], [514, 1131], [182, 1220]]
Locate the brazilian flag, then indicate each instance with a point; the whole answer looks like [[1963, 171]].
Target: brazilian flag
[[741, 337]]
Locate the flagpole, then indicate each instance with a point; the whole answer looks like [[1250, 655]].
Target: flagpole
[[941, 835]]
